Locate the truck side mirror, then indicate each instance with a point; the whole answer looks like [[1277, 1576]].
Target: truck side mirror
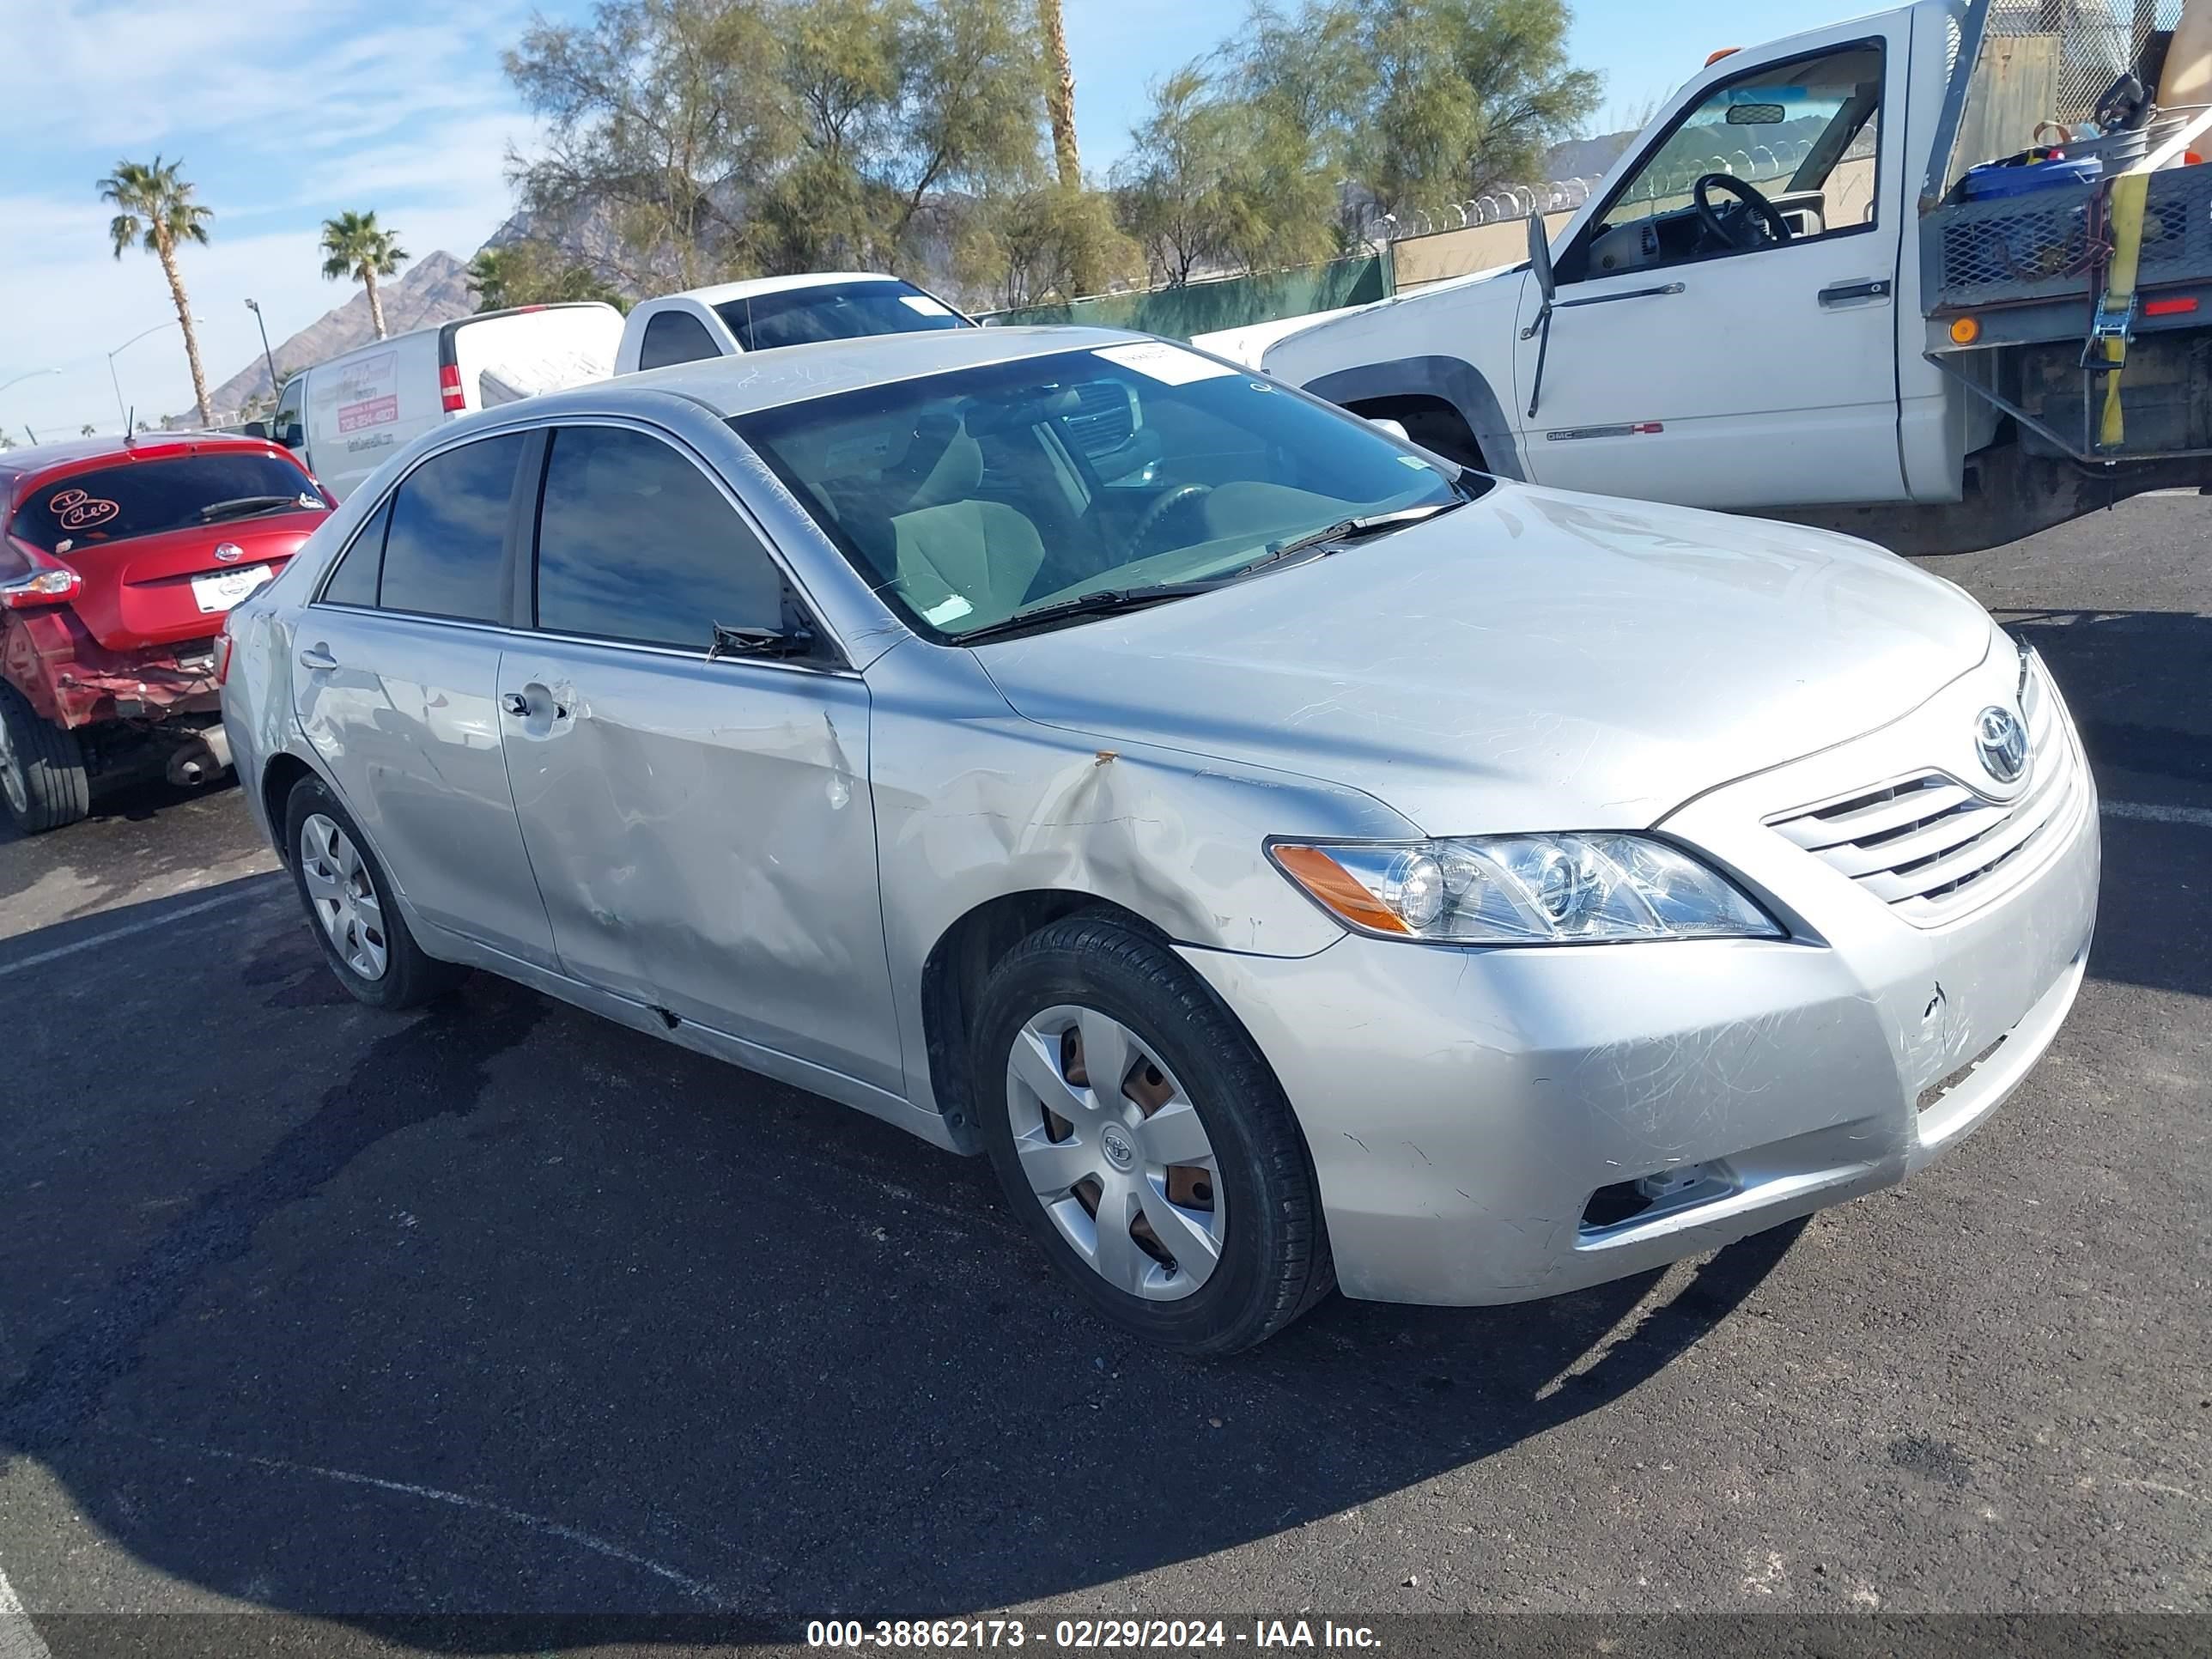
[[1539, 256], [1540, 267]]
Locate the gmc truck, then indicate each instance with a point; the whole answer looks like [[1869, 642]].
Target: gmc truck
[[1805, 292]]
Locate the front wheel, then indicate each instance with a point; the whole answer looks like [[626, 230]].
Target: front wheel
[[1145, 1142], [43, 781]]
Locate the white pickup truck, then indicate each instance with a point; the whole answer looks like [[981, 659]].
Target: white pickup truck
[[762, 312], [1789, 297]]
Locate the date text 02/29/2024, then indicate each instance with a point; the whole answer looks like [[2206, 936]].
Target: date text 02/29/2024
[[1082, 1635]]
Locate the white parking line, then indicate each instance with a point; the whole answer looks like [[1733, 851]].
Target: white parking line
[[229, 897], [19, 1636], [2199, 815]]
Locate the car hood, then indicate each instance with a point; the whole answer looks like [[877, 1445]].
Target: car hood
[[1535, 660]]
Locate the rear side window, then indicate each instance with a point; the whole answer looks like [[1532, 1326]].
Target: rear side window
[[144, 498], [444, 552], [634, 543], [674, 337], [354, 582]]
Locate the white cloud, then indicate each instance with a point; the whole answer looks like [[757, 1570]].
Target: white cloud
[[285, 112]]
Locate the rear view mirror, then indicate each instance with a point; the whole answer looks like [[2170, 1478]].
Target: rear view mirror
[[1756, 115]]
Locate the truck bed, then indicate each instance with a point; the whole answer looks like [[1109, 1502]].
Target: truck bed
[[2022, 266]]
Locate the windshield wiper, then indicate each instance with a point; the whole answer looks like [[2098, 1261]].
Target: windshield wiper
[[1349, 530], [1085, 605], [241, 507]]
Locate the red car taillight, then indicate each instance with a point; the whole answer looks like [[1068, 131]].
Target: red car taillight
[[45, 587], [449, 389], [224, 643]]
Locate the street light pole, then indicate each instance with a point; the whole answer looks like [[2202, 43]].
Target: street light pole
[[123, 413], [254, 306]]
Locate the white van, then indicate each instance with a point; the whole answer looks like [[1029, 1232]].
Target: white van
[[761, 313], [347, 416]]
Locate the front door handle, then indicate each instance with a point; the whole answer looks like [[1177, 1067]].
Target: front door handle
[[515, 704], [318, 658], [1844, 293]]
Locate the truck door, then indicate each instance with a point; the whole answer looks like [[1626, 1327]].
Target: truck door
[[1723, 324]]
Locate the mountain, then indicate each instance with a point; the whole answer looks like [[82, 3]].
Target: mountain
[[434, 289]]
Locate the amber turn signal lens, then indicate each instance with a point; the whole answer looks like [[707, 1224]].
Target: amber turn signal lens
[[1965, 330], [1337, 889]]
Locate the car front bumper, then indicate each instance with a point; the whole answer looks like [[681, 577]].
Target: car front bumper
[[1478, 1118]]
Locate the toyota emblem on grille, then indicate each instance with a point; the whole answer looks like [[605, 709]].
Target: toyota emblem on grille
[[229, 552], [2002, 741]]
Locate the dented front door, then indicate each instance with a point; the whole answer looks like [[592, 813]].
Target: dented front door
[[703, 836]]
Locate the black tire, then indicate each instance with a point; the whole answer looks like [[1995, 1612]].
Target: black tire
[[410, 977], [46, 784], [1274, 1261]]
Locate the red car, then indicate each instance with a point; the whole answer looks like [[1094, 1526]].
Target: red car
[[118, 562]]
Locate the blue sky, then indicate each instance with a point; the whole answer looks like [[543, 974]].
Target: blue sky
[[286, 111]]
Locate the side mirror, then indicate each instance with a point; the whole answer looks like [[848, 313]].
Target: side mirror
[[1540, 267], [256, 430], [1395, 429], [1539, 255], [293, 436]]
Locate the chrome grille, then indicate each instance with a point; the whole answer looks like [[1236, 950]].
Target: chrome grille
[[1931, 847]]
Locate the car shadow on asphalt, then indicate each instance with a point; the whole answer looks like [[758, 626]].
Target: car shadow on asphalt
[[514, 1312], [2138, 682]]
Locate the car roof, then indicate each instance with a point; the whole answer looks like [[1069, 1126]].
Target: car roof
[[745, 385], [720, 292], [73, 453]]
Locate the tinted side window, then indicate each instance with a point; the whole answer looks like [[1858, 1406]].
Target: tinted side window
[[634, 543], [674, 337], [442, 554], [354, 582]]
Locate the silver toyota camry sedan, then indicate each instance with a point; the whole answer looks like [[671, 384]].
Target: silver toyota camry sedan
[[1293, 860]]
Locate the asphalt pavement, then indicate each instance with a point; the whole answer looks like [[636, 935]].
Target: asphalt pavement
[[328, 1317]]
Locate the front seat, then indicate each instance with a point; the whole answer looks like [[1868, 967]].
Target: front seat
[[969, 561]]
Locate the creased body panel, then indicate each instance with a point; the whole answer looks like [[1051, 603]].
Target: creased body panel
[[702, 835], [974, 803]]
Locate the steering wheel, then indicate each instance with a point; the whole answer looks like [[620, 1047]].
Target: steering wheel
[[1149, 520], [1757, 206]]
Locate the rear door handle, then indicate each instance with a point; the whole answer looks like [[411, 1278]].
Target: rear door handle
[[1844, 293], [317, 658]]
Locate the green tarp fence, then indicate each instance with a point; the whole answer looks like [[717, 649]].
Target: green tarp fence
[[1231, 302]]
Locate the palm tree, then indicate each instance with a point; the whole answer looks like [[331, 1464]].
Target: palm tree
[[493, 277], [153, 207], [87, 430], [359, 246]]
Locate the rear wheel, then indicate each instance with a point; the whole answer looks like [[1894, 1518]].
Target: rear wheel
[[43, 781], [363, 936], [1144, 1141]]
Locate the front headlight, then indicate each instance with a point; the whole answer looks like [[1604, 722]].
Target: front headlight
[[1522, 890]]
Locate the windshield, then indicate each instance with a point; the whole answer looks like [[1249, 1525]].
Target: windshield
[[1807, 126], [834, 311], [967, 496], [144, 498]]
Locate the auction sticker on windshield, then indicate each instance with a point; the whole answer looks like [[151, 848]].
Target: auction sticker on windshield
[[1169, 364], [223, 589]]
